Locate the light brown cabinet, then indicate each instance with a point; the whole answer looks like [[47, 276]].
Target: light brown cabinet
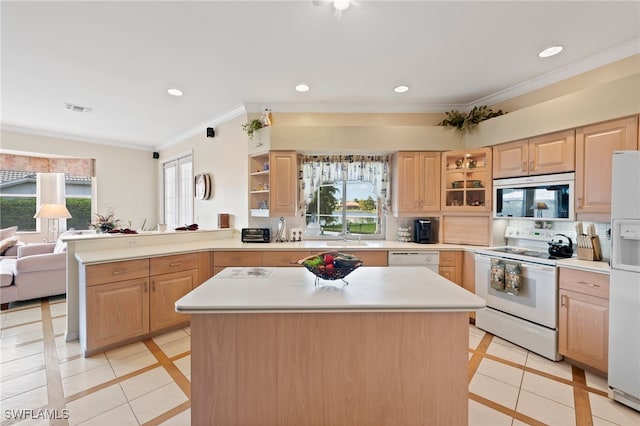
[[450, 266], [552, 153], [594, 148], [466, 180], [283, 258], [416, 182], [272, 184], [583, 330]]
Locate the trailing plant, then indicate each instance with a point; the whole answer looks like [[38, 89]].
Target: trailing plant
[[252, 126], [464, 122]]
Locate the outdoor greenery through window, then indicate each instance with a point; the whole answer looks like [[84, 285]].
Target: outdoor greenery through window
[[345, 194]]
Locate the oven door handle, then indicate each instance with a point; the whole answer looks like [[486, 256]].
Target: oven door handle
[[526, 265]]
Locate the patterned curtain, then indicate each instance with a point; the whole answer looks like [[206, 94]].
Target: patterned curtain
[[72, 166], [318, 169]]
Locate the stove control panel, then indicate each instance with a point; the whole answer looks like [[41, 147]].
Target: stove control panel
[[529, 234]]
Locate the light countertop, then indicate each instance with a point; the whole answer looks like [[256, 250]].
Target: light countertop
[[371, 289], [585, 265]]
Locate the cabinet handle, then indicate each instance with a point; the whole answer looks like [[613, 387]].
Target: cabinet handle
[[531, 165], [153, 286], [589, 284], [563, 300], [145, 286], [579, 202], [120, 272], [175, 264], [524, 166]]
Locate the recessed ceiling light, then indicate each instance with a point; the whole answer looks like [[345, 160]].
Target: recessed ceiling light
[[174, 92], [341, 4], [550, 51], [302, 87], [400, 89]]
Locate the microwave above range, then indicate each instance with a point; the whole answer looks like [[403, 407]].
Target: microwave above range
[[548, 197]]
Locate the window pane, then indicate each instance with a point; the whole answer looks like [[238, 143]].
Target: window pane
[[18, 211], [362, 208], [80, 209], [170, 195]]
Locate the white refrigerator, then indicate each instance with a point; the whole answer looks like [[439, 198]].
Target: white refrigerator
[[624, 296]]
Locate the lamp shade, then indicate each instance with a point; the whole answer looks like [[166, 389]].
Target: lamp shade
[[540, 205], [52, 211]]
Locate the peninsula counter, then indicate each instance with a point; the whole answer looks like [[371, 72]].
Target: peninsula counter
[[271, 348]]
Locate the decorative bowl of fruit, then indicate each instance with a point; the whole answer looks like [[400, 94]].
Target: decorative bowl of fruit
[[331, 265]]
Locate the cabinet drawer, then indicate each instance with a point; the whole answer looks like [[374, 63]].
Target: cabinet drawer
[[237, 258], [116, 271], [450, 258], [371, 258], [173, 263], [283, 258], [585, 282]]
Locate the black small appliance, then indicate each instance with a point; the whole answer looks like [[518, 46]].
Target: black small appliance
[[560, 248], [425, 231], [256, 235]]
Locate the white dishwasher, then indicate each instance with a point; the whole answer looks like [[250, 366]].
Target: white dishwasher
[[430, 259]]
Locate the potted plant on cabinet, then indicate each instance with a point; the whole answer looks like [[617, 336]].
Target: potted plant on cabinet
[[251, 126]]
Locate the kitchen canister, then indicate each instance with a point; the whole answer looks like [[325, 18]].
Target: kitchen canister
[[404, 233], [223, 220]]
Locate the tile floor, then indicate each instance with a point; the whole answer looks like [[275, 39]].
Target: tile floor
[[148, 383]]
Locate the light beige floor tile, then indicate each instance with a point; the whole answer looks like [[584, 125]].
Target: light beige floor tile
[[507, 350], [126, 351], [184, 365], [11, 369], [95, 404], [187, 330], [86, 380], [596, 382], [23, 316], [67, 349], [519, 423], [131, 363], [545, 410], [170, 337], [59, 325], [613, 411], [597, 421], [504, 373], [548, 388], [176, 347], [22, 383], [470, 355], [13, 353], [474, 340], [58, 309], [494, 390], [32, 399], [81, 365], [35, 422], [181, 419], [557, 368], [22, 334], [145, 383], [122, 415], [157, 402], [481, 415]]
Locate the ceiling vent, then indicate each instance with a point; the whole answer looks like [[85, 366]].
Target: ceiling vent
[[76, 108]]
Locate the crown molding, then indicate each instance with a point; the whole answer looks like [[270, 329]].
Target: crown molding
[[355, 107], [212, 122]]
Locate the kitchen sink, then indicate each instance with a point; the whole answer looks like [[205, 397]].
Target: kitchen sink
[[341, 243]]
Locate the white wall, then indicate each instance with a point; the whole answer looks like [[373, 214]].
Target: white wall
[[126, 178]]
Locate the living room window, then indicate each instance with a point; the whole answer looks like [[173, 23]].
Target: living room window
[[18, 199], [346, 194], [177, 177]]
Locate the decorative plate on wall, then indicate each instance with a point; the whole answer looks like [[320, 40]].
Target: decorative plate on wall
[[202, 186]]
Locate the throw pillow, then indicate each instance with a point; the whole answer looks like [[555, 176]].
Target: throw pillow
[[7, 243], [8, 232], [61, 245]]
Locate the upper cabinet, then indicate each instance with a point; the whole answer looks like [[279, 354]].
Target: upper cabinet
[[594, 148], [552, 153], [272, 183], [466, 180], [416, 182]]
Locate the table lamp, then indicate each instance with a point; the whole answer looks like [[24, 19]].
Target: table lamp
[[52, 212], [538, 207]]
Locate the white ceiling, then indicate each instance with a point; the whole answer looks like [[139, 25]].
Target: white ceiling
[[118, 58]]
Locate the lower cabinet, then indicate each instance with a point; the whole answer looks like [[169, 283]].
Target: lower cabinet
[[450, 266], [166, 289], [584, 317]]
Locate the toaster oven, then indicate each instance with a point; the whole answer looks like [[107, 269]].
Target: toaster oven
[[256, 235]]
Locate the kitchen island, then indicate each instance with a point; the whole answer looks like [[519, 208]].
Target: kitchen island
[[270, 347]]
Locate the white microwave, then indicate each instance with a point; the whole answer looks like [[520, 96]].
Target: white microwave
[[548, 197]]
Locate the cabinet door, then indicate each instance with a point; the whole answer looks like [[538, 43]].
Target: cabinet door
[[429, 181], [511, 159], [116, 312], [451, 273], [371, 258], [407, 184], [282, 177], [583, 330], [283, 258], [594, 149], [554, 153], [166, 289], [451, 266]]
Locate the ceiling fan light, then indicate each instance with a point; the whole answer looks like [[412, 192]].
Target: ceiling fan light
[[401, 89], [550, 51], [341, 4], [302, 87]]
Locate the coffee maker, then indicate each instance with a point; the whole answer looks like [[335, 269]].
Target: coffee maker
[[425, 231]]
